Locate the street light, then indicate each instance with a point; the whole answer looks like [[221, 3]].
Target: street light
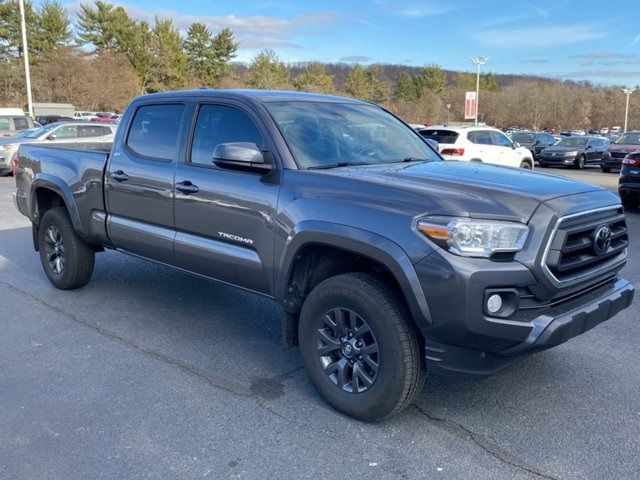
[[448, 110], [25, 53], [478, 61], [628, 92]]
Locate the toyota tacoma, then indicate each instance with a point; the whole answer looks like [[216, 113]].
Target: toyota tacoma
[[389, 262]]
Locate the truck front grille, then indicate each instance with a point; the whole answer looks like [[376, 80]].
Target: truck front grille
[[587, 244]]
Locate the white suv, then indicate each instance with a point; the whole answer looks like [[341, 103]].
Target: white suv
[[479, 144]]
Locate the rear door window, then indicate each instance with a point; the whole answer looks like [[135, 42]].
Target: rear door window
[[154, 131], [87, 131], [480, 137], [440, 136]]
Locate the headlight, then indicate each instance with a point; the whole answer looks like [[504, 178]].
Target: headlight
[[474, 238]]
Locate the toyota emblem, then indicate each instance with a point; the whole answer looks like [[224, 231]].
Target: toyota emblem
[[602, 240]]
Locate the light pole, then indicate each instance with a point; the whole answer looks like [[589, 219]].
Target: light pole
[[448, 110], [478, 61], [25, 57], [628, 92]]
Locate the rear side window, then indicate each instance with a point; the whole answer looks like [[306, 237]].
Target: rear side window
[[219, 124], [5, 124], [480, 137], [67, 131], [440, 136], [154, 131], [20, 123]]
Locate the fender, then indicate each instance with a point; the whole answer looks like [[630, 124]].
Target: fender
[[361, 242], [55, 184]]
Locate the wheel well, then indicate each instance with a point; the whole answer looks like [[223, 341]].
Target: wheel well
[[315, 263], [528, 160], [45, 200]]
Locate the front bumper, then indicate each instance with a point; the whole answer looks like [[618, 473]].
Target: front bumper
[[557, 160], [553, 327], [611, 162]]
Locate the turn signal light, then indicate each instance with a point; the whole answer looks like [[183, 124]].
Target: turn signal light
[[454, 152]]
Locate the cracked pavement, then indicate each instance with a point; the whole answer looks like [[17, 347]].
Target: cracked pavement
[[151, 373]]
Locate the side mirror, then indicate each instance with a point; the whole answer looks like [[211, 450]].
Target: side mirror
[[53, 136], [240, 156], [515, 145]]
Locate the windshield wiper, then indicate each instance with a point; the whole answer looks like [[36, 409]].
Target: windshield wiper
[[335, 165]]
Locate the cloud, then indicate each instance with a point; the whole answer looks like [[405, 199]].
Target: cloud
[[535, 60], [356, 59], [635, 40], [538, 37], [417, 10], [255, 31], [606, 59]]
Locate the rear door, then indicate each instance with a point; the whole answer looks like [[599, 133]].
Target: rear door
[[225, 219], [139, 181], [483, 148]]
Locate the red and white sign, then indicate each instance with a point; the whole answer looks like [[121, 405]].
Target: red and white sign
[[470, 105]]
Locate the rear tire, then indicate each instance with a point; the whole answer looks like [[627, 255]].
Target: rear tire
[[387, 354], [66, 259]]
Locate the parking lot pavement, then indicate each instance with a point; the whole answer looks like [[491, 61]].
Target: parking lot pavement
[[152, 373]]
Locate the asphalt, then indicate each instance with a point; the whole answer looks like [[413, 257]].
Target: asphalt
[[151, 373]]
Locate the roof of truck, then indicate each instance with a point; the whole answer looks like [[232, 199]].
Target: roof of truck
[[260, 95]]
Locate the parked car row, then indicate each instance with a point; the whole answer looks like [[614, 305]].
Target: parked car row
[[62, 132]]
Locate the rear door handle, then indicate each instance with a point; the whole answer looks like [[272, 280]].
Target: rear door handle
[[119, 176], [187, 187]]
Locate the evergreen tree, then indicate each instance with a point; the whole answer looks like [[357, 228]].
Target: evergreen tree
[[10, 33], [224, 47], [314, 79], [106, 27], [52, 27], [357, 84], [168, 61], [433, 78], [197, 48], [378, 90], [406, 88], [267, 71]]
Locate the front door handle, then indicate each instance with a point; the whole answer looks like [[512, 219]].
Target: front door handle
[[119, 176], [187, 187]]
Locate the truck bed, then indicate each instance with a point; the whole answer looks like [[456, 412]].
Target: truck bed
[[77, 172]]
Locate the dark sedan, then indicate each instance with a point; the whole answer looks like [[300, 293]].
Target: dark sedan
[[534, 141], [575, 152], [618, 150], [629, 187]]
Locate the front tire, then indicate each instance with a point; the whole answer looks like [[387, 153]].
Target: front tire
[[66, 259], [526, 165], [605, 169], [359, 348], [580, 162]]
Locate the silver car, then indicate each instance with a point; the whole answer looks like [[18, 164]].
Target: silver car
[[62, 132]]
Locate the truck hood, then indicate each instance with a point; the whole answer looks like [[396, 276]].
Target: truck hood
[[467, 188]]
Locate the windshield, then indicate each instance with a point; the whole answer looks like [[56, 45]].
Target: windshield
[[40, 131], [522, 137], [572, 142], [339, 134], [629, 139]]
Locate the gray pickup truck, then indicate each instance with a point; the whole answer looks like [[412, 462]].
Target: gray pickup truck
[[389, 262]]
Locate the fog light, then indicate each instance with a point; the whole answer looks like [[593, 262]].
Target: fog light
[[494, 304]]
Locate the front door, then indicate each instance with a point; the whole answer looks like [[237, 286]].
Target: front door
[[225, 219], [139, 182]]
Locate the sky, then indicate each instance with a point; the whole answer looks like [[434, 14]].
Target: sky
[[573, 40]]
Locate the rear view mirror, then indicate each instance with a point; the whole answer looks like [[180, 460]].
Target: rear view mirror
[[240, 156]]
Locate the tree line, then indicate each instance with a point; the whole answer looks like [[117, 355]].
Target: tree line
[[106, 57]]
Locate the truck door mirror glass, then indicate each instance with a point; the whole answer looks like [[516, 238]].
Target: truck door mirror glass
[[515, 145], [240, 156]]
